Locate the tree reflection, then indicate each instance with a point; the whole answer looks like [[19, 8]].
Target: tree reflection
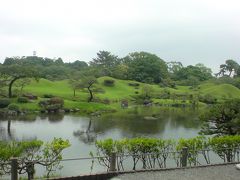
[[6, 132], [9, 129], [88, 135], [57, 117], [147, 121]]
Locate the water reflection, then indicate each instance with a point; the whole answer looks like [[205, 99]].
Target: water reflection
[[6, 132], [132, 122], [53, 118], [147, 121], [86, 134], [83, 131], [7, 124]]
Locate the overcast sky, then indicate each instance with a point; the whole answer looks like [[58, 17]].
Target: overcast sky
[[190, 31]]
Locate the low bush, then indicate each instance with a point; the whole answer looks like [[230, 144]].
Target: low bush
[[13, 107], [22, 100], [134, 84], [109, 82], [165, 94], [48, 96], [30, 96], [98, 90], [43, 103], [53, 107], [148, 151], [208, 99], [168, 83], [106, 101], [52, 104], [56, 100], [4, 102]]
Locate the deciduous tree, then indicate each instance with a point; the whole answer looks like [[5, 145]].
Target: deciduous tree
[[10, 74], [146, 67], [88, 82], [230, 66]]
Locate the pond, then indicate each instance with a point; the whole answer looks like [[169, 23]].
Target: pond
[[167, 123]]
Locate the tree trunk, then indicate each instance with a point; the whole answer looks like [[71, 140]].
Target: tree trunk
[[30, 171], [10, 86], [91, 94], [74, 92], [89, 126], [9, 129]]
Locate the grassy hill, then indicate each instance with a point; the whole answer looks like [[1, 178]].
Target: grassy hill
[[221, 91], [122, 89]]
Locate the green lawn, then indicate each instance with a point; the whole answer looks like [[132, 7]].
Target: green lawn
[[43, 86], [221, 91]]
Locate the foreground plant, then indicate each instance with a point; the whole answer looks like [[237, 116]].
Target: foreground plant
[[154, 152], [32, 152]]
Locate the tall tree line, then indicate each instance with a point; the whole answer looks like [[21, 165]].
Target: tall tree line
[[139, 66]]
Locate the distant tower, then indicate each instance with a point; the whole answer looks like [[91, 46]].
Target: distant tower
[[34, 53]]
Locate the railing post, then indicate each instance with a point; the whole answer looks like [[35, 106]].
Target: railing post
[[113, 162], [184, 156], [14, 168]]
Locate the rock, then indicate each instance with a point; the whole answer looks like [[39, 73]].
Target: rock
[[30, 96], [61, 111], [149, 118], [97, 113], [66, 110]]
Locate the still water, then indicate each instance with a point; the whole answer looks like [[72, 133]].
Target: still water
[[157, 122]]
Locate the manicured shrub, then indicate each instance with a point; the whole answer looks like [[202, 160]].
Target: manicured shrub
[[4, 102], [168, 83], [30, 96], [53, 104], [98, 90], [13, 107], [106, 101], [22, 100], [43, 103], [165, 94], [53, 107], [108, 82], [134, 84], [148, 151], [56, 100], [48, 96], [208, 99]]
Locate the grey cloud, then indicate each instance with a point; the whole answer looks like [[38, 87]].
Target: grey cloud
[[190, 31]]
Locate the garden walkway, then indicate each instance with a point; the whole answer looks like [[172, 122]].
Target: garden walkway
[[214, 172]]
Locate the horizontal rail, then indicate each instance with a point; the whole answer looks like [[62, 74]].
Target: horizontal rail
[[125, 155]]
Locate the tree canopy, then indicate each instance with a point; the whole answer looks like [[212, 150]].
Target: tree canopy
[[139, 66], [52, 69], [9, 74], [229, 67], [223, 119], [199, 72], [146, 67], [106, 62]]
